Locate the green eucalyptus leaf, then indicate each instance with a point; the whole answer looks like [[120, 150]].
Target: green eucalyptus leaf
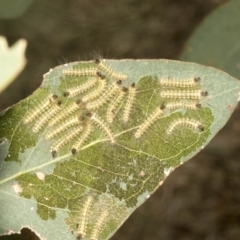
[[216, 41], [86, 149]]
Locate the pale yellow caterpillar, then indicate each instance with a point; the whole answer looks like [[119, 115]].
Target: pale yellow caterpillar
[[102, 125], [82, 228], [65, 140], [78, 144], [72, 92], [183, 94], [92, 71], [129, 104], [70, 123], [110, 72], [169, 82], [66, 112], [43, 106], [46, 116], [191, 105], [98, 227], [102, 82], [114, 104], [185, 122], [111, 91], [157, 113]]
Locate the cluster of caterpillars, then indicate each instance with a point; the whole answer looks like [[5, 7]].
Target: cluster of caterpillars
[[176, 94], [82, 227], [187, 96], [99, 86]]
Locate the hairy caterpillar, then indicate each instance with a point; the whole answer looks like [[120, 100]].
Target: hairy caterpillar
[[47, 115], [43, 106], [81, 88], [184, 94], [114, 104], [82, 228], [102, 82], [70, 123], [66, 112], [65, 140], [169, 82], [110, 72], [158, 112], [103, 126], [99, 225], [129, 104], [186, 122], [81, 72], [105, 97], [191, 105], [78, 144]]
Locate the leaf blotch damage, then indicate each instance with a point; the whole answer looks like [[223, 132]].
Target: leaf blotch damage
[[115, 138]]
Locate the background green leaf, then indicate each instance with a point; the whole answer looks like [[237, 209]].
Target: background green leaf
[[216, 41], [12, 9], [115, 177]]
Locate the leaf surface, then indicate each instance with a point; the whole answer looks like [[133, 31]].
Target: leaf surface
[[105, 158], [216, 41]]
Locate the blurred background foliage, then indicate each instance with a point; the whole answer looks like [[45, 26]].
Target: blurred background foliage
[[13, 9], [201, 199], [12, 61], [72, 30], [215, 42]]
